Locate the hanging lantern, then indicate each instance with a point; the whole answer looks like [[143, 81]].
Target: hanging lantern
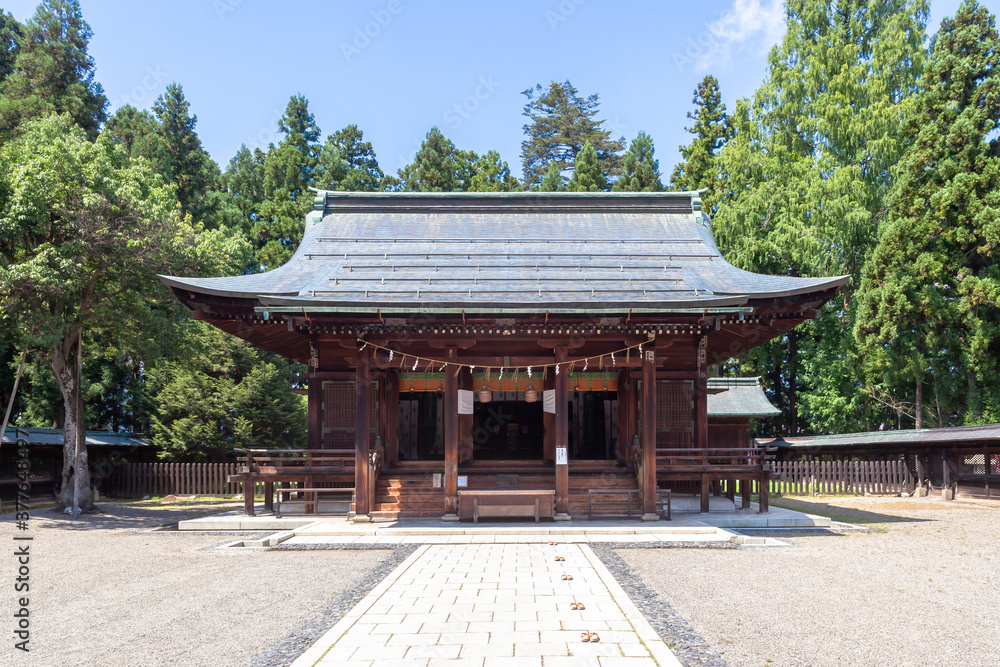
[[485, 394], [530, 396]]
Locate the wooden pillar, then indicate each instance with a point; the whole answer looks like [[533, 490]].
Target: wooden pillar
[[314, 420], [451, 437], [649, 435], [746, 487], [701, 412], [268, 496], [392, 416], [562, 435], [362, 446], [763, 491], [625, 424]]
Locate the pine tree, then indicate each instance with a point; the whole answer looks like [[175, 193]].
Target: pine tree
[[288, 173], [561, 123], [347, 162], [587, 176], [711, 130], [53, 73], [929, 303], [438, 167], [491, 174], [640, 170], [554, 181]]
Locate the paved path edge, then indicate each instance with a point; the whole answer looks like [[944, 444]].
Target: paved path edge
[[316, 652]]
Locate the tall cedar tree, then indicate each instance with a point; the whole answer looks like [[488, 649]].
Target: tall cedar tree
[[82, 233], [712, 130], [243, 181], [438, 167], [347, 162], [587, 174], [10, 34], [929, 303], [640, 170], [53, 73], [806, 177], [561, 123], [288, 173], [178, 154]]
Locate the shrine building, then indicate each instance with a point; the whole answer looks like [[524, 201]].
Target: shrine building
[[469, 350]]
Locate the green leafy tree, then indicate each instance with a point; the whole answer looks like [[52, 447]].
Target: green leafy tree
[[347, 162], [438, 167], [587, 174], [640, 170], [491, 174], [220, 393], [553, 181], [53, 73], [82, 233], [929, 303], [288, 174], [711, 129], [560, 123], [805, 181]]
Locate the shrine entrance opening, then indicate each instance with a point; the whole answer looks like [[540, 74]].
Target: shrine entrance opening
[[421, 426], [508, 430], [593, 425]]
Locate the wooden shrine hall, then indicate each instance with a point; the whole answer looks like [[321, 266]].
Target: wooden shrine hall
[[507, 354]]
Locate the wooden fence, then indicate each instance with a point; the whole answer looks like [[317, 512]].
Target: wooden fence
[[134, 480], [803, 478], [794, 478]]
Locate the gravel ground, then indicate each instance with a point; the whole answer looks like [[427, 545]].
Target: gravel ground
[[919, 588], [108, 591]]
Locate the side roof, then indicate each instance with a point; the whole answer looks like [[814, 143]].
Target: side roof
[[523, 251], [738, 397], [922, 437], [54, 436]]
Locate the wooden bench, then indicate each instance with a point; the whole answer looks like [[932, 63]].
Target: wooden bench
[[506, 503], [310, 497]]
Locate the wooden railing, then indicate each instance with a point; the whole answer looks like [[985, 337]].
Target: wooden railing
[[296, 461], [713, 458]]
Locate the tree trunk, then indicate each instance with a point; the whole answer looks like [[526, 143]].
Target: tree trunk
[[937, 403], [63, 362], [920, 403]]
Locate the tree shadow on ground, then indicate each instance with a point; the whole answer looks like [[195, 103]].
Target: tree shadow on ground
[[125, 517], [844, 514]]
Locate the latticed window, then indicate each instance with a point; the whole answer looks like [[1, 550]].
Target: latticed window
[[973, 464]]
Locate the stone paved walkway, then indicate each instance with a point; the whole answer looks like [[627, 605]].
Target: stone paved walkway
[[493, 604]]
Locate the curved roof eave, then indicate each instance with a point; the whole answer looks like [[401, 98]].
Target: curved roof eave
[[820, 285]]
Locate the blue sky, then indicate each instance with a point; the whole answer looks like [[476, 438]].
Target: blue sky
[[398, 67]]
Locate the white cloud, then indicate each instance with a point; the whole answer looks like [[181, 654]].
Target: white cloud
[[754, 25]]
